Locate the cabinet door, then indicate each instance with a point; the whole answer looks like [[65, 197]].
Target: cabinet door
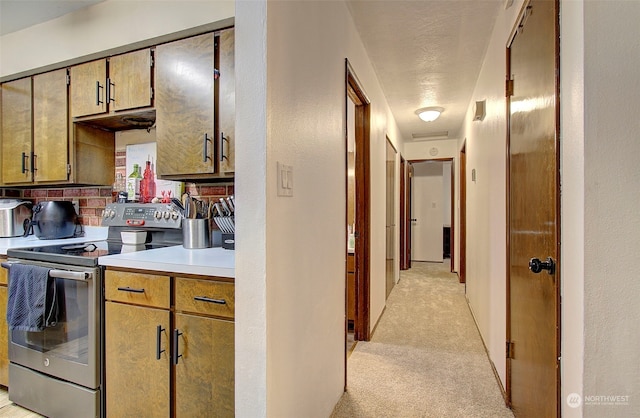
[[130, 80], [16, 131], [4, 338], [185, 106], [205, 372], [50, 126], [136, 383], [88, 88], [227, 102]]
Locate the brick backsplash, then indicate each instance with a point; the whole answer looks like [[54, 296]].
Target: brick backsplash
[[92, 200]]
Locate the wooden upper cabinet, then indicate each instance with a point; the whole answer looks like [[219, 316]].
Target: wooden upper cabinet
[[16, 131], [185, 106], [129, 83], [50, 127], [88, 88], [227, 101], [124, 84]]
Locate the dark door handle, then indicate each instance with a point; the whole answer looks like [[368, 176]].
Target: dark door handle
[[536, 266]]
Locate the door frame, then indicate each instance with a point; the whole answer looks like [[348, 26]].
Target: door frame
[[403, 216], [462, 267], [558, 278], [452, 207], [355, 92]]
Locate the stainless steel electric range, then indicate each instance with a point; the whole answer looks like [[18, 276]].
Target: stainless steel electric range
[[59, 371]]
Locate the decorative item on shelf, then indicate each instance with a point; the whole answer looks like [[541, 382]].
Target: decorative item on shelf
[[133, 184], [148, 184]]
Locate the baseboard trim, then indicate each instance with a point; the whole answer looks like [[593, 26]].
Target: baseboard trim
[[375, 326], [493, 366]]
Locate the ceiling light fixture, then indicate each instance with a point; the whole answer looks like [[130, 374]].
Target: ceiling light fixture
[[429, 114]]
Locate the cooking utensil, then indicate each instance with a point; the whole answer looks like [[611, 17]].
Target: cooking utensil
[[225, 207]]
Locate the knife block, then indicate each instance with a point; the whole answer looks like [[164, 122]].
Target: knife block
[[228, 241]]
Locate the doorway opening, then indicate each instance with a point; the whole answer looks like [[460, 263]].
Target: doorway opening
[[357, 116], [390, 238], [430, 211]]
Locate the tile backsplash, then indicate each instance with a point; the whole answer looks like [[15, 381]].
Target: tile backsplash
[[92, 200]]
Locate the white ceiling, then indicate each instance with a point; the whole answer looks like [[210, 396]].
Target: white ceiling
[[425, 52]]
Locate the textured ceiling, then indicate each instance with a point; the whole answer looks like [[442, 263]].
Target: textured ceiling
[[426, 53], [19, 14]]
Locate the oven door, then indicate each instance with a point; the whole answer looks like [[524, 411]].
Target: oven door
[[70, 350]]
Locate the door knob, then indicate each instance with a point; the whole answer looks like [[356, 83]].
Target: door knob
[[414, 220], [536, 266]]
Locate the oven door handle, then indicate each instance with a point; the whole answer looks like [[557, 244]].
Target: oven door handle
[[71, 275], [61, 274]]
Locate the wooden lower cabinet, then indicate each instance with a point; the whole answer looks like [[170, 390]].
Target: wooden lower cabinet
[[137, 383], [168, 358], [4, 329], [205, 370]]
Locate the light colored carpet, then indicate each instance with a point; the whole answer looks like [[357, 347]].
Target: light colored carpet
[[425, 359]]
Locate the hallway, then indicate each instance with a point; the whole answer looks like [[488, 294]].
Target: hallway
[[425, 359]]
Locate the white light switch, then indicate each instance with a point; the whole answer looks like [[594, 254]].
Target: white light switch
[[285, 180]]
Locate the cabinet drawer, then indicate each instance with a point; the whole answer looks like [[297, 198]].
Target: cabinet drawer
[[205, 297], [138, 288]]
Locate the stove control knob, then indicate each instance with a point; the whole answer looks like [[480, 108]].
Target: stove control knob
[[157, 214], [174, 215], [46, 362], [112, 213], [167, 215]]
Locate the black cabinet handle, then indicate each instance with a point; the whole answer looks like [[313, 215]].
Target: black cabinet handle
[[210, 300], [222, 139], [34, 167], [98, 88], [24, 162], [159, 331], [205, 154], [130, 289], [109, 91], [176, 341]]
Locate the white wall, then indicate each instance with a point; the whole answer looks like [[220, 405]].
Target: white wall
[[303, 269], [486, 204], [101, 27], [611, 198]]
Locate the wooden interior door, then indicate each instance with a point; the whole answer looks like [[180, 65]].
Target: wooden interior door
[[205, 372], [462, 268], [533, 229], [409, 214]]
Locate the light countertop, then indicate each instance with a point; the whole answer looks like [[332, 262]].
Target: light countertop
[[206, 262], [177, 259]]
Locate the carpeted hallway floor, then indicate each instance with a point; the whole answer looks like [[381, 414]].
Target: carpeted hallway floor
[[425, 359]]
